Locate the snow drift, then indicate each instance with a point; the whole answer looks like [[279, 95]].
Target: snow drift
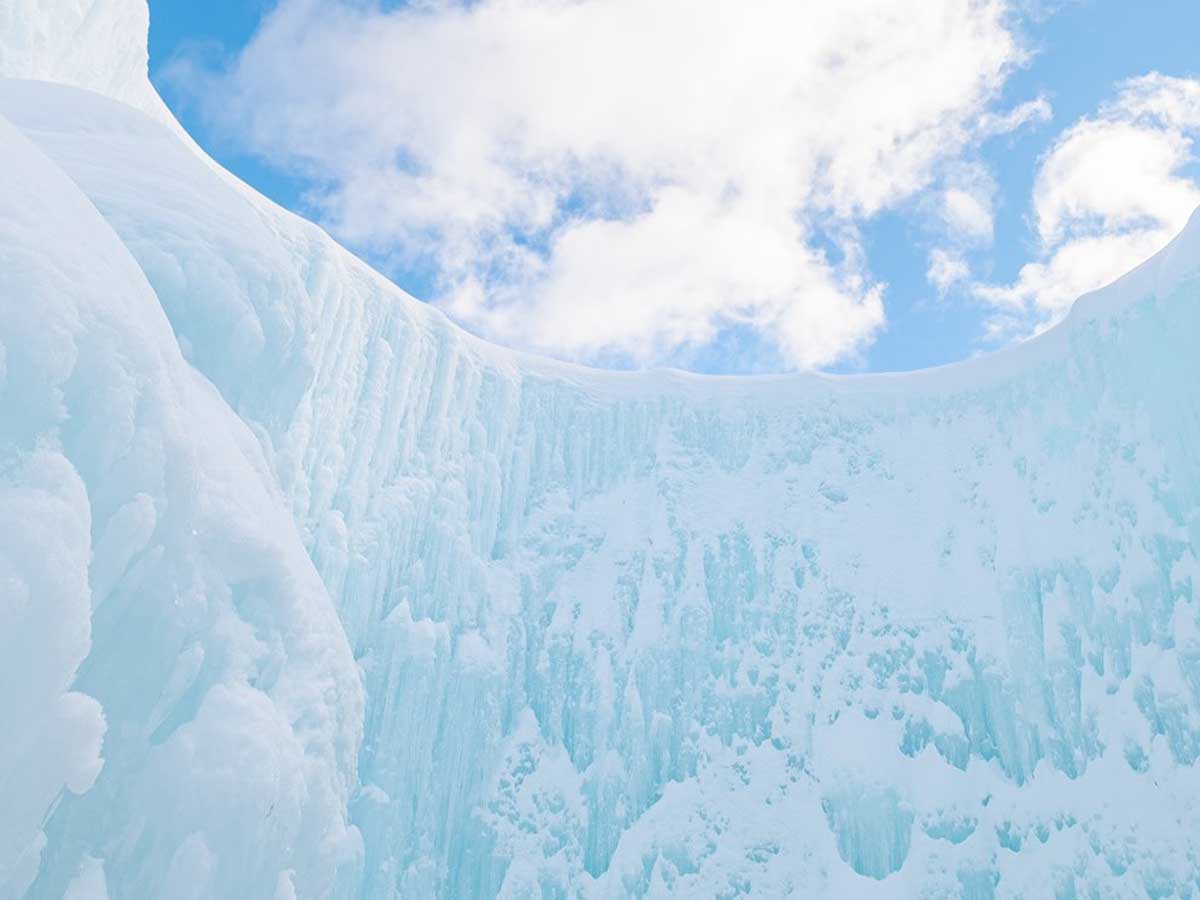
[[306, 593]]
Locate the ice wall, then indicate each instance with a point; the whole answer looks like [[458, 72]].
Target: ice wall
[[930, 635], [100, 45], [180, 707]]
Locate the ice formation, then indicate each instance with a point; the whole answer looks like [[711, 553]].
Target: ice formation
[[305, 593]]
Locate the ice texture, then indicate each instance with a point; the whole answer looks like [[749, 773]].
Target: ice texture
[[181, 710], [307, 593]]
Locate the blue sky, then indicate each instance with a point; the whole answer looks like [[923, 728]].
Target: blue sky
[[866, 301]]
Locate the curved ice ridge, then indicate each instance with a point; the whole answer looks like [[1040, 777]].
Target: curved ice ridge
[[621, 635]]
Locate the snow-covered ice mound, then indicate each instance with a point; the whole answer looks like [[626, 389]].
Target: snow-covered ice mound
[[156, 593], [306, 593]]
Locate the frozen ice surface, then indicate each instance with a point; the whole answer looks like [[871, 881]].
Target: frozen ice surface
[[99, 45], [180, 707], [306, 593]]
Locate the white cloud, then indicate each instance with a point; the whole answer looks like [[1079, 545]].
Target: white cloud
[[1109, 193], [964, 213], [966, 204], [968, 213], [630, 177], [1032, 112], [946, 269]]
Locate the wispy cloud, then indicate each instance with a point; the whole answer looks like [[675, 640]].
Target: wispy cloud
[[1110, 192], [624, 178], [946, 269]]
